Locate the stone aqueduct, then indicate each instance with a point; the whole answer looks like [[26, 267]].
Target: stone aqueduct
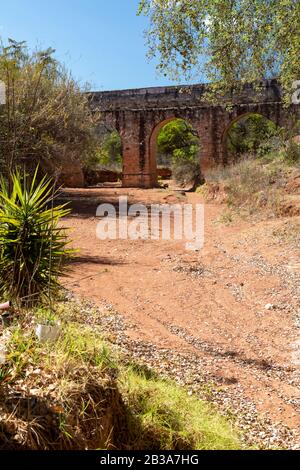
[[138, 115]]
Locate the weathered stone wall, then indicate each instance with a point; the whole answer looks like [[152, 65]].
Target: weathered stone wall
[[139, 114]]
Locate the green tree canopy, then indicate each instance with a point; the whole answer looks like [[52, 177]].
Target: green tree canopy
[[248, 134], [178, 138], [179, 142], [229, 42]]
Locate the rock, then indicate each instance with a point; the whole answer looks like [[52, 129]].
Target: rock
[[164, 173], [71, 175], [269, 307]]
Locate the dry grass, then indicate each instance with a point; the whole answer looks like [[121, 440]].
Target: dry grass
[[249, 187]]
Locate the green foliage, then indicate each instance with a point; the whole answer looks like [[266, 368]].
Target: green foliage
[[111, 150], [45, 316], [32, 245], [47, 118], [169, 419], [108, 153], [291, 153], [283, 147], [250, 135], [87, 384], [228, 42], [179, 143], [178, 140]]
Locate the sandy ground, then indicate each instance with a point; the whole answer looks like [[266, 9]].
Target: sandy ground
[[209, 304]]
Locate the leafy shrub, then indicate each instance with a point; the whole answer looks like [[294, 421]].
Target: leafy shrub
[[250, 135], [186, 166], [108, 154], [291, 152], [283, 146], [32, 246], [47, 118], [187, 172]]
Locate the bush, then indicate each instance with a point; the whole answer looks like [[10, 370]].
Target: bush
[[186, 166], [250, 135], [47, 118], [187, 172], [108, 153], [291, 152], [32, 246], [178, 143]]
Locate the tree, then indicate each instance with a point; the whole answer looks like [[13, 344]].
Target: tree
[[46, 118], [177, 135], [247, 135], [111, 149], [178, 141], [229, 42]]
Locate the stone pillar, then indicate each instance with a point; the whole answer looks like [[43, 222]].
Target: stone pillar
[[210, 129], [138, 169]]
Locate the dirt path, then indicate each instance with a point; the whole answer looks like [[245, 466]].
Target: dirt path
[[209, 304]]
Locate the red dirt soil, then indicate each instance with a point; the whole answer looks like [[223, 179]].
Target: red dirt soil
[[210, 303]]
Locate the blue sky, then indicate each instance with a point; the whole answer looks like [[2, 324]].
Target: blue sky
[[100, 41]]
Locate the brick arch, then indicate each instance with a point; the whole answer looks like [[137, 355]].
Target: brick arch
[[152, 146]]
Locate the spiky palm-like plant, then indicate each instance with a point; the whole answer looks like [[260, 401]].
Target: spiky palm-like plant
[[33, 247]]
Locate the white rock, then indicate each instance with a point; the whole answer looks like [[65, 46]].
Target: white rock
[[269, 307]]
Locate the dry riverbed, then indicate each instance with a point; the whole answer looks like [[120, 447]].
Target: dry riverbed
[[224, 321]]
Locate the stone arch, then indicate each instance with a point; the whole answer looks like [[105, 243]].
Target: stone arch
[[153, 142], [110, 169], [139, 114]]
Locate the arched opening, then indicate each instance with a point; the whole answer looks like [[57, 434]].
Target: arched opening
[[249, 136], [174, 153], [105, 166]]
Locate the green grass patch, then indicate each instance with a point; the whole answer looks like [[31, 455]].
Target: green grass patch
[[168, 418]]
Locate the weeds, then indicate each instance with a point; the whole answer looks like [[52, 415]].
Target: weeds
[[249, 186]]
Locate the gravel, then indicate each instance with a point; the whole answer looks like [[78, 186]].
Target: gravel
[[191, 371]]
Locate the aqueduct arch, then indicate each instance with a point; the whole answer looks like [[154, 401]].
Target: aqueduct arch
[[139, 114]]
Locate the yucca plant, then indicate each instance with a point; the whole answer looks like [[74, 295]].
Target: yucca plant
[[33, 248]]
